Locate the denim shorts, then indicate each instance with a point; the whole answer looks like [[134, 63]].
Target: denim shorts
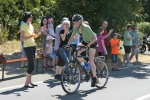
[[114, 58], [23, 52], [53, 56]]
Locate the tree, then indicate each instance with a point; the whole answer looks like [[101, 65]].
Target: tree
[[117, 12]]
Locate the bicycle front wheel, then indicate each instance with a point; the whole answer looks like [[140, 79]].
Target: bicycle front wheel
[[70, 78], [102, 73]]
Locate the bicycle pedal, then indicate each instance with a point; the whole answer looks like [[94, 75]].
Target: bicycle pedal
[[69, 89], [99, 83]]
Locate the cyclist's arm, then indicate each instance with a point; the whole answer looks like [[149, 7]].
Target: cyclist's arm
[[70, 40], [94, 38], [72, 36], [91, 34]]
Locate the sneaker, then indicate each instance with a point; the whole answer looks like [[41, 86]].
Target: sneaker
[[24, 67], [83, 76], [93, 83], [123, 64], [53, 69], [129, 65], [21, 66], [138, 62]]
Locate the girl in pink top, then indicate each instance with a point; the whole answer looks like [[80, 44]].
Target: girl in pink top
[[100, 41], [101, 49]]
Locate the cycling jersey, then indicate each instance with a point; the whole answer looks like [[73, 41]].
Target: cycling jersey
[[87, 33]]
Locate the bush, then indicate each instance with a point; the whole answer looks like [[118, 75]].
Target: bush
[[144, 28], [3, 35]]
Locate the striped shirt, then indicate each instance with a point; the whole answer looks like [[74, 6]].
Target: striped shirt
[[57, 38]]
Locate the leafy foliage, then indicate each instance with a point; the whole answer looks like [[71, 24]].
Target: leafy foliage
[[118, 13]]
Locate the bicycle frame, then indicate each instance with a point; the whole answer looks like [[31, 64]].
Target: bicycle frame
[[75, 59]]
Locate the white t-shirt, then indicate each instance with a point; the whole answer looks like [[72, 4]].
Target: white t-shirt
[[51, 30], [50, 49]]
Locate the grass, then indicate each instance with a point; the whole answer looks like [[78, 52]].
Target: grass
[[14, 46], [11, 47]]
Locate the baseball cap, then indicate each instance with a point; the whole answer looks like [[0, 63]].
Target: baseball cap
[[115, 34], [65, 19], [49, 37]]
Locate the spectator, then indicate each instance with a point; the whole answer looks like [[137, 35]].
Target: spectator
[[23, 63], [63, 54], [49, 51], [105, 33], [51, 27], [101, 49], [26, 35], [57, 38], [127, 43], [135, 43], [114, 43], [44, 35]]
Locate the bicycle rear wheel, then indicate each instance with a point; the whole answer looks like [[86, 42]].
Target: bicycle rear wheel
[[102, 73], [70, 78]]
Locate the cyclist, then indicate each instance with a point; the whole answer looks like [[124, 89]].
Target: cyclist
[[89, 40]]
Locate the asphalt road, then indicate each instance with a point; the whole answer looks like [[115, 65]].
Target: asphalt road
[[130, 83]]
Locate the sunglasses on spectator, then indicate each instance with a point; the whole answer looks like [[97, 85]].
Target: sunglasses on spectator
[[115, 35]]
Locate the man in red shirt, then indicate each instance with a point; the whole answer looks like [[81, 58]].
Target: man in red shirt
[[106, 40]]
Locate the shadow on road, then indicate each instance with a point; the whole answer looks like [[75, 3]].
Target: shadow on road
[[140, 72], [52, 83], [15, 91], [79, 95]]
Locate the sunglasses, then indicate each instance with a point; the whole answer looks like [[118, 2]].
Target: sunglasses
[[115, 35]]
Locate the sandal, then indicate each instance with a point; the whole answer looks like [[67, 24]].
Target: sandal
[[116, 69]]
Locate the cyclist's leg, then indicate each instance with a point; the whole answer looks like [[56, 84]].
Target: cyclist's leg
[[79, 53], [91, 60]]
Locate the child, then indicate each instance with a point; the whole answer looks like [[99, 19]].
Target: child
[[101, 50], [51, 27], [24, 65], [114, 43], [49, 51]]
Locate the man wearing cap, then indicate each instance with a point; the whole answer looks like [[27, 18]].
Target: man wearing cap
[[57, 37]]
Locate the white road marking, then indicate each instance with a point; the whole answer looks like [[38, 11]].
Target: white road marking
[[143, 97], [18, 86]]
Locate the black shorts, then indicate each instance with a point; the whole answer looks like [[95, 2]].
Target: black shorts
[[93, 45], [127, 49]]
